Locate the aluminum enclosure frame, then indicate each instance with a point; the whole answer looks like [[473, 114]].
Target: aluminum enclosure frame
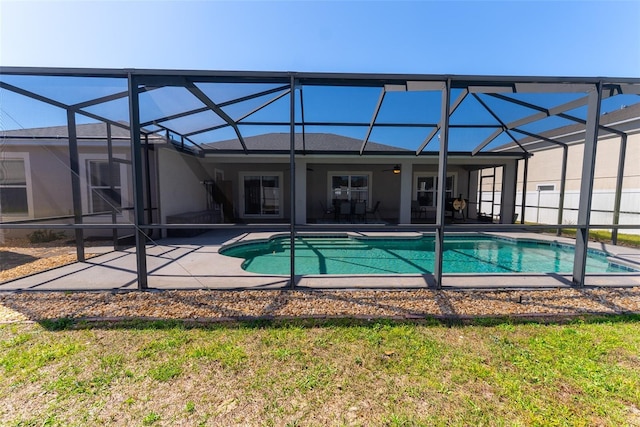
[[469, 84]]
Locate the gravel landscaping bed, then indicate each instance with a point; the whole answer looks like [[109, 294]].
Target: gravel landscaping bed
[[203, 305], [19, 258]]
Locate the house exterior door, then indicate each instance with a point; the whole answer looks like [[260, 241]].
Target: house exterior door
[[261, 195]]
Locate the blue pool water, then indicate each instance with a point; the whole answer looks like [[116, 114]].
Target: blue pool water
[[475, 254]]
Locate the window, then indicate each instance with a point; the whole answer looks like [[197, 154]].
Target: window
[[348, 186], [426, 189], [102, 198], [261, 194], [546, 187], [13, 188]]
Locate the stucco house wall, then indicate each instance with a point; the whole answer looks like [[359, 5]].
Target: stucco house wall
[[48, 181], [180, 186], [544, 173]]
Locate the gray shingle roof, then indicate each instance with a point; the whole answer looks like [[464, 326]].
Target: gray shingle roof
[[313, 142], [95, 130], [627, 114]]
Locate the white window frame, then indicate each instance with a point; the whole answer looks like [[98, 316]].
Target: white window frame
[[27, 173], [85, 183], [331, 174], [434, 175], [244, 174], [92, 193]]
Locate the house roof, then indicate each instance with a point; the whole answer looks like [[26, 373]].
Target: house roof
[[87, 130], [325, 142], [625, 119]]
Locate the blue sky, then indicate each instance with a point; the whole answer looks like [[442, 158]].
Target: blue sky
[[573, 38]]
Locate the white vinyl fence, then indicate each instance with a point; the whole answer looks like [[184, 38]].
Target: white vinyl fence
[[542, 207]]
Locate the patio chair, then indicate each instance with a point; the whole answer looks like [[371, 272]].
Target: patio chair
[[345, 210], [373, 211], [417, 210], [327, 212], [360, 211]]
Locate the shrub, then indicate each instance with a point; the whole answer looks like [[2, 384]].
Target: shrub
[[44, 236]]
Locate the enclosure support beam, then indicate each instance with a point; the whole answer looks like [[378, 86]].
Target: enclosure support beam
[[292, 180], [203, 109], [557, 112], [191, 87], [508, 192], [262, 106], [435, 130], [563, 172], [304, 141], [49, 101], [301, 191], [586, 185], [442, 183], [525, 172], [373, 120], [499, 120], [406, 174], [493, 192], [563, 185], [75, 183], [138, 193], [112, 189], [619, 179], [147, 180]]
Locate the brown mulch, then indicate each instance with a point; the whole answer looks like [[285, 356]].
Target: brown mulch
[[17, 252], [19, 258], [204, 305]]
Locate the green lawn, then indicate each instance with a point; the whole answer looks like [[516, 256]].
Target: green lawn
[[342, 372], [631, 240]]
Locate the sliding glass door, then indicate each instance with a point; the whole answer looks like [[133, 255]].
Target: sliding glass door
[[261, 195]]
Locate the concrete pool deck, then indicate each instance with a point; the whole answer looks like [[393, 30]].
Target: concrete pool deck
[[194, 263]]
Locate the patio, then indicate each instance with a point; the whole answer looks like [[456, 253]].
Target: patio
[[194, 263]]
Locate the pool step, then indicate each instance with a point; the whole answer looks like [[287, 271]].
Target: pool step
[[319, 244], [624, 264]]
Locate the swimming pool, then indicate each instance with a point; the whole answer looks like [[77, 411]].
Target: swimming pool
[[462, 254]]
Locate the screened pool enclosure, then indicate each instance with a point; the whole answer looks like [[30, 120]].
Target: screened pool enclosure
[[140, 156]]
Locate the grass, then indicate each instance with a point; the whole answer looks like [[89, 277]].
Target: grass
[[340, 372], [604, 236]]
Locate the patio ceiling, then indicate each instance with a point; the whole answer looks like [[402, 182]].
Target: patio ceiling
[[196, 110]]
